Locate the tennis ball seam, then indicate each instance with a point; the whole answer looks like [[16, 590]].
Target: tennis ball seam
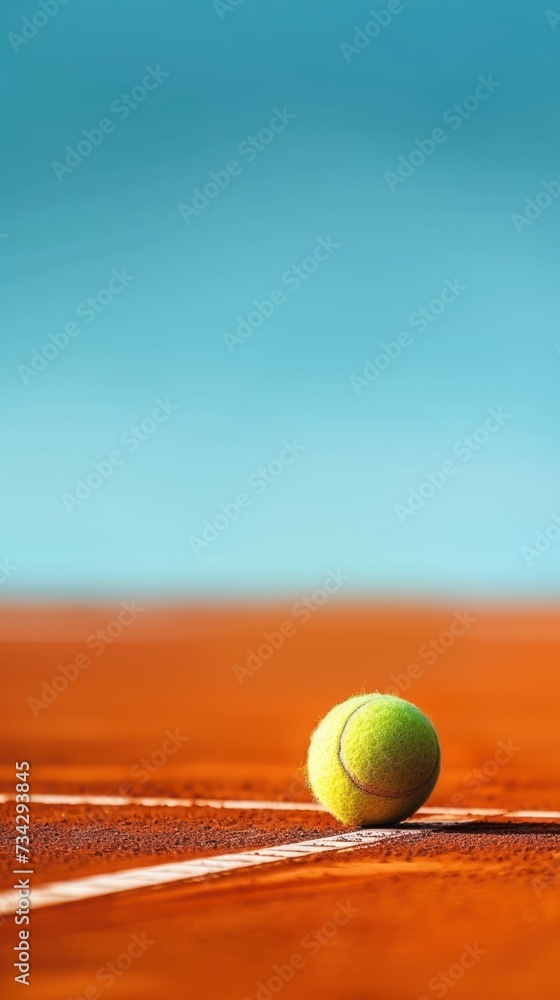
[[372, 789]]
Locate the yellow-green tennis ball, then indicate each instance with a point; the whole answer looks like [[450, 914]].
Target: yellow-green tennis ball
[[373, 760]]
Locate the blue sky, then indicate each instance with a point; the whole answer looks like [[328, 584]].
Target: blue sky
[[332, 124]]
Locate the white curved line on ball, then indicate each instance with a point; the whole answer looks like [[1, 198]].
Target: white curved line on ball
[[373, 789]]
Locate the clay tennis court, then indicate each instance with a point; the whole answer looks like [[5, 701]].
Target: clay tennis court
[[464, 898]]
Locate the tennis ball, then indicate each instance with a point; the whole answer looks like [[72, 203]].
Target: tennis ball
[[373, 760]]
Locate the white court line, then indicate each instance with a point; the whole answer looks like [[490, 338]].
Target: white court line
[[135, 878], [119, 800], [140, 878], [527, 814]]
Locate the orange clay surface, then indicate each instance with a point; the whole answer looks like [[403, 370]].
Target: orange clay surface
[[412, 906]]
